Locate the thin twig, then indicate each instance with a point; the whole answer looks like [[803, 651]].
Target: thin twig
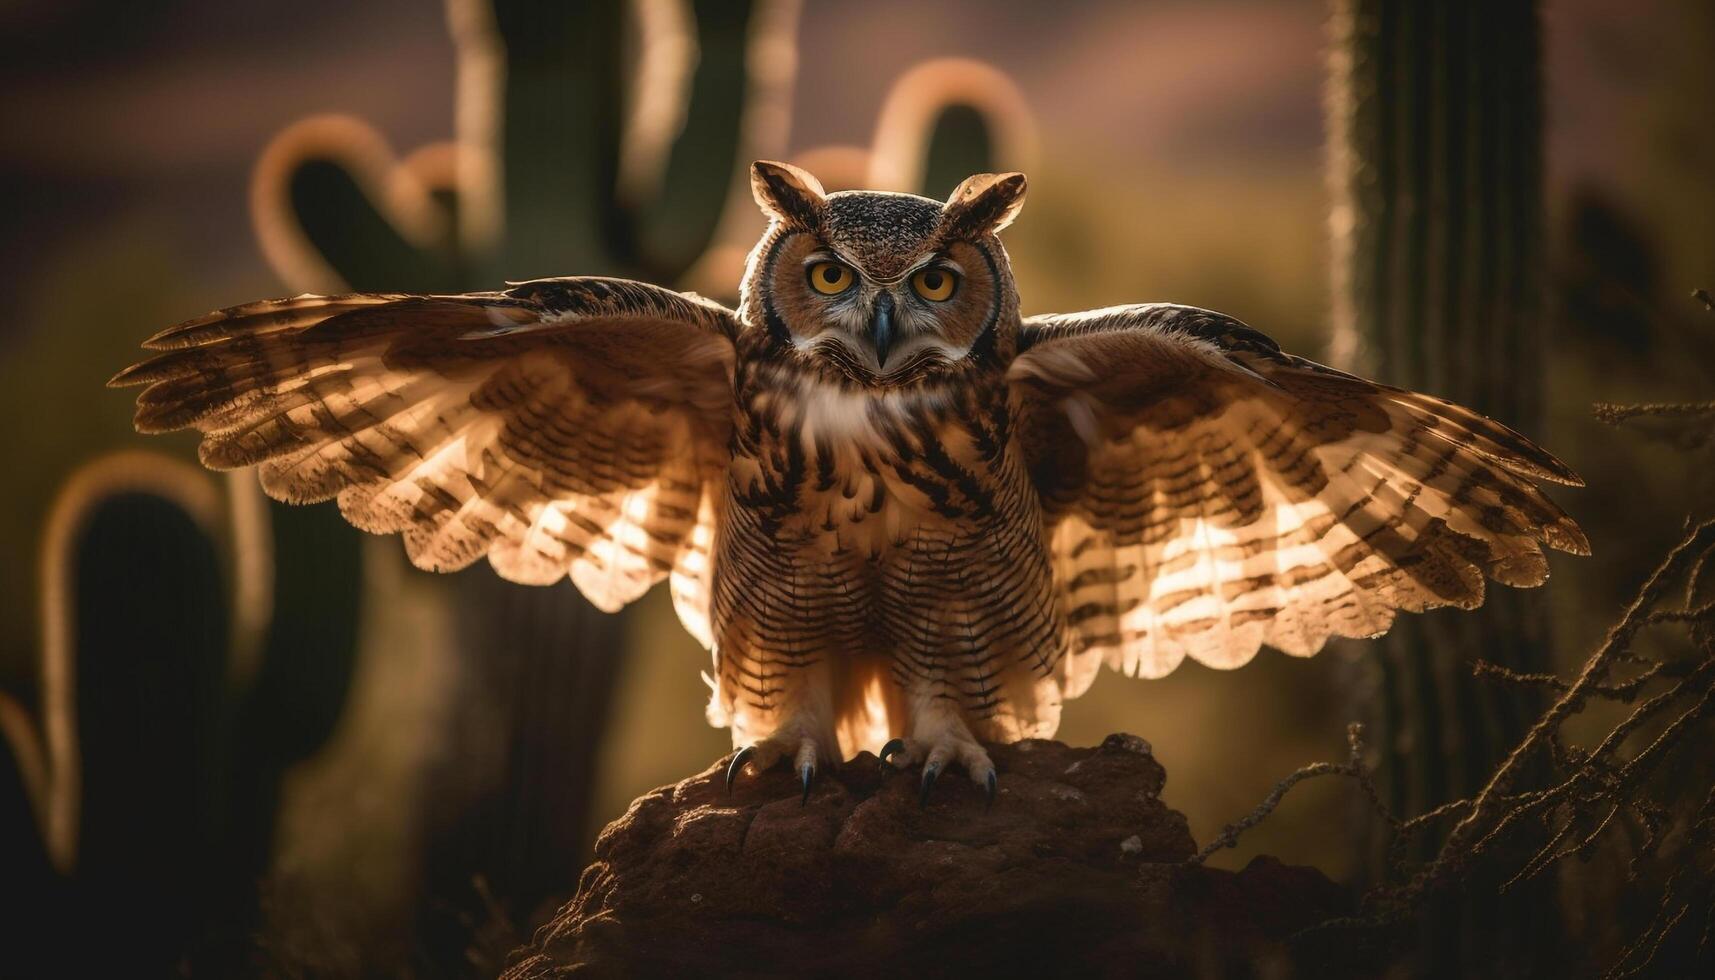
[[1352, 768]]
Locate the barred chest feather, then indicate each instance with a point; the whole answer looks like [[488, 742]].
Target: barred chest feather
[[837, 468], [896, 531]]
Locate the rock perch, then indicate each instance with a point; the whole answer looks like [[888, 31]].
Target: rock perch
[[1078, 869]]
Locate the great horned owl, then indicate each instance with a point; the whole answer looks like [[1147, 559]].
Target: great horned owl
[[888, 504]]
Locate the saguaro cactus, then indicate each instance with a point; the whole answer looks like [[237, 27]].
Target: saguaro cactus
[[179, 679], [1435, 118]]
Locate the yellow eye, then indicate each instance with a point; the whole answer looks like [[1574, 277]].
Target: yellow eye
[[831, 278], [934, 284]]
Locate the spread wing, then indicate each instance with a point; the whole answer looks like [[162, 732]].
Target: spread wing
[[1207, 493], [562, 427]]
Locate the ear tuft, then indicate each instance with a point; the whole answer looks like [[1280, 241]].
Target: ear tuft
[[983, 205], [788, 193]]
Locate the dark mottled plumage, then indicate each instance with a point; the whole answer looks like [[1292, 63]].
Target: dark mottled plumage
[[887, 510]]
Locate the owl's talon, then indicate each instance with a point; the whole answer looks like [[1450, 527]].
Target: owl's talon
[[736, 764], [930, 772], [802, 754], [893, 747]]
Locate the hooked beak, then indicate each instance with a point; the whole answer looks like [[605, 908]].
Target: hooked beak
[[881, 327]]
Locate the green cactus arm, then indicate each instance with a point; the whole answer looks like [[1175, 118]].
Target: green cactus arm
[[946, 119], [960, 144], [558, 129], [367, 250], [333, 207], [676, 224]]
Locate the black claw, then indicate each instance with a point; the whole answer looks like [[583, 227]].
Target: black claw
[[736, 764], [893, 747], [806, 772], [930, 771], [993, 787]]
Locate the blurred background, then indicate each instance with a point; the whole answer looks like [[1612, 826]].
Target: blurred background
[[260, 742]]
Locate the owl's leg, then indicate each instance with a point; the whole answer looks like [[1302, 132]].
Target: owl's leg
[[939, 736], [804, 733]]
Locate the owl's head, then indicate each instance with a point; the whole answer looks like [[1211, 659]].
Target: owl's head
[[885, 288]]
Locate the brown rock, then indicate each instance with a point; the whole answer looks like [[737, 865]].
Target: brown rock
[[1078, 868]]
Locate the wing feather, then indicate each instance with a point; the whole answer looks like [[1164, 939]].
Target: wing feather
[[562, 428], [1207, 493]]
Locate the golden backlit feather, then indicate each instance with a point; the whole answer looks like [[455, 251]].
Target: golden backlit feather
[[1206, 493], [569, 427]]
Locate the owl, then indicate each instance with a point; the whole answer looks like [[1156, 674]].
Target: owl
[[890, 506]]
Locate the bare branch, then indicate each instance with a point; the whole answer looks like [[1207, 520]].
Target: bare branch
[[1530, 816]]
